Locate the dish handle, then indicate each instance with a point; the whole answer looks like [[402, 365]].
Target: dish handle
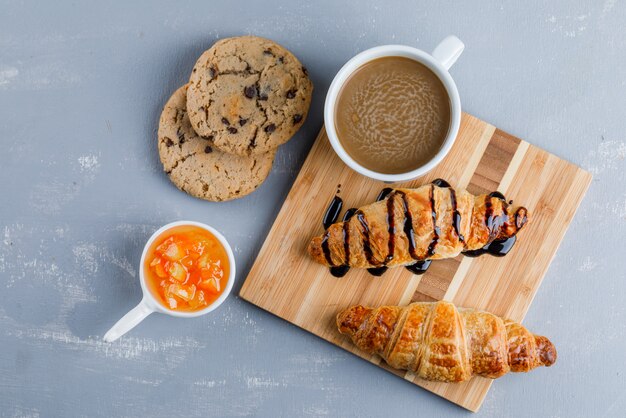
[[448, 51], [129, 321]]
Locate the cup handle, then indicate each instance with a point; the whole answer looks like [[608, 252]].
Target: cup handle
[[448, 51], [128, 321]]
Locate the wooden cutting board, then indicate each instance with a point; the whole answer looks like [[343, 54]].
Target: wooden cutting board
[[287, 283]]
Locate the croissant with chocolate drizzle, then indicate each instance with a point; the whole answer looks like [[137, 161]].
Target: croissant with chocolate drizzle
[[412, 225], [437, 341]]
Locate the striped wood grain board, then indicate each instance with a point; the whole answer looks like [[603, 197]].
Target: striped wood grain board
[[286, 282]]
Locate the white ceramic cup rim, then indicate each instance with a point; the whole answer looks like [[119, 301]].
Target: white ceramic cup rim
[[392, 51], [151, 300]]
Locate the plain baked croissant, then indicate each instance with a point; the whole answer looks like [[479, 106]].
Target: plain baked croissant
[[437, 341], [411, 225]]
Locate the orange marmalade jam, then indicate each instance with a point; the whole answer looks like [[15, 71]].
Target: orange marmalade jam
[[186, 268]]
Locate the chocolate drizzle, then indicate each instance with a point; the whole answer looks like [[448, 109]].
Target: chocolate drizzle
[[332, 212], [377, 271], [349, 214], [456, 216], [384, 193], [367, 248], [436, 231], [326, 249], [419, 267], [496, 248], [408, 225], [500, 248], [497, 195], [330, 217], [440, 183], [391, 228], [521, 217], [489, 214], [346, 236], [495, 223], [340, 271]]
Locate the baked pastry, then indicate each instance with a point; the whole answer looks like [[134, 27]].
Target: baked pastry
[[411, 225], [195, 166], [437, 341], [248, 94]]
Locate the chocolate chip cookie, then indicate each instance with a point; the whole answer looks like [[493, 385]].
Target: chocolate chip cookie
[[248, 94], [196, 166]]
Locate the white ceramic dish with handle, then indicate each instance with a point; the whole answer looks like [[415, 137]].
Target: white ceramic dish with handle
[[150, 304], [439, 62]]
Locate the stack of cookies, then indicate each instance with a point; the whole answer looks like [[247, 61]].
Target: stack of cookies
[[219, 133]]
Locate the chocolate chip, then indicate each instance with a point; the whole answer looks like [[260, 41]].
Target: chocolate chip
[[297, 118], [225, 122], [270, 128], [268, 52], [305, 71], [168, 142], [212, 72], [181, 136], [210, 138], [249, 91], [263, 97], [232, 130], [179, 115], [208, 149], [242, 121], [281, 59], [291, 94]]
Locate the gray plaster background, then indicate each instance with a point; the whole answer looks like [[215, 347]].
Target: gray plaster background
[[81, 88]]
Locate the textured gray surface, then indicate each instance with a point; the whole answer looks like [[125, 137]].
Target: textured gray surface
[[81, 88]]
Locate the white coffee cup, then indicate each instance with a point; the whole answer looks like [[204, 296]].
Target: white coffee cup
[[441, 59], [149, 303]]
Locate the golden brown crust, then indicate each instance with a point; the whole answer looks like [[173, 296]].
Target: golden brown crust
[[409, 225], [445, 358], [439, 342], [406, 352], [486, 336]]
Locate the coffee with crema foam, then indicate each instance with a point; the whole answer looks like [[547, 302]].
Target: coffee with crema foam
[[392, 115]]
